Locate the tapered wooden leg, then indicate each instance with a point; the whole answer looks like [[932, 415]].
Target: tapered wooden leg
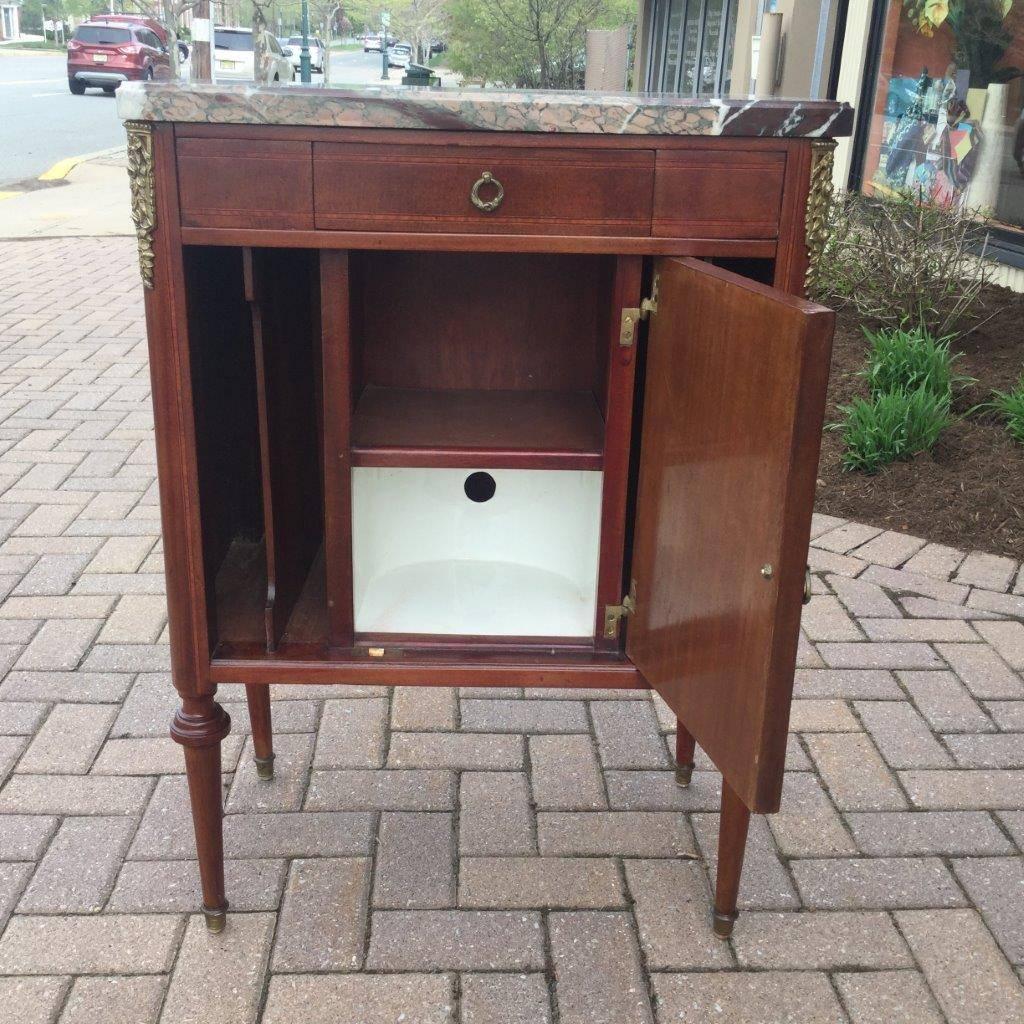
[[258, 698], [685, 746], [199, 726], [732, 844]]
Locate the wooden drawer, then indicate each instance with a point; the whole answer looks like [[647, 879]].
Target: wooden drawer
[[235, 183], [429, 188], [709, 193]]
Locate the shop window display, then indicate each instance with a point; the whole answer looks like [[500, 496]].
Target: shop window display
[[947, 119]]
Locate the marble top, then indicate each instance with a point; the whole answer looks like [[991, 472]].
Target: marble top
[[590, 113]]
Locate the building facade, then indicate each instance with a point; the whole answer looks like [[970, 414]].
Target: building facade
[[10, 27]]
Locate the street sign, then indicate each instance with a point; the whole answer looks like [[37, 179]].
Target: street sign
[[385, 18]]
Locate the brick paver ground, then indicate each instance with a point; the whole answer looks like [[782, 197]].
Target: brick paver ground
[[483, 856]]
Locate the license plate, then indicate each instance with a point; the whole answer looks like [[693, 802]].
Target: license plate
[[100, 58], [227, 65]]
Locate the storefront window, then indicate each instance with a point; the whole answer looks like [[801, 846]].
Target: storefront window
[[947, 120], [691, 41]]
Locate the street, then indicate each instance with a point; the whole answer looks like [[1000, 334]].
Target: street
[[42, 123]]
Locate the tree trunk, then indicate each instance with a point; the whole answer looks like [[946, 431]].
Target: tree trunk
[[260, 64], [172, 45], [325, 36]]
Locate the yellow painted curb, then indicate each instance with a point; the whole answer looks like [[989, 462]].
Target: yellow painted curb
[[62, 168], [9, 195]]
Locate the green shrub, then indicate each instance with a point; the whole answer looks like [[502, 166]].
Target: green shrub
[[893, 425], [1010, 405], [901, 360]]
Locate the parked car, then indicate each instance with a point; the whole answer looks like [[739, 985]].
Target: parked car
[[374, 42], [233, 56], [399, 55], [159, 30], [317, 50], [105, 55]]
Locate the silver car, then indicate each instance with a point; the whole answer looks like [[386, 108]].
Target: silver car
[[233, 56], [317, 52]]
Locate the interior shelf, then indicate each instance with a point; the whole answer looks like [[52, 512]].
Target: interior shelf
[[501, 429]]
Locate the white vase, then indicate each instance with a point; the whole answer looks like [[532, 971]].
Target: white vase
[[983, 191]]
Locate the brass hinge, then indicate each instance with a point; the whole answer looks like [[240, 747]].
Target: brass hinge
[[614, 612], [632, 315]]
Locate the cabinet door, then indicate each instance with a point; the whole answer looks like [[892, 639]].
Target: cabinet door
[[734, 398]]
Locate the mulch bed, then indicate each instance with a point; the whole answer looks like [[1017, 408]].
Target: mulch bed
[[967, 492]]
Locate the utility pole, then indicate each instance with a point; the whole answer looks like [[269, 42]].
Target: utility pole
[[304, 64], [202, 38]]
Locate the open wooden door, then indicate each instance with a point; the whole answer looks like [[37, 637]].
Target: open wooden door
[[735, 394]]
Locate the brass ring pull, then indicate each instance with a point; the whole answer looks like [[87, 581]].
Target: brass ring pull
[[487, 205]]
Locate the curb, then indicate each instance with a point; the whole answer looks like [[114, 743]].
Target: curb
[[62, 168]]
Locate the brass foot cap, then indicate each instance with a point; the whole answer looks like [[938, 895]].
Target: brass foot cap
[[684, 772], [215, 919], [265, 767], [723, 924]]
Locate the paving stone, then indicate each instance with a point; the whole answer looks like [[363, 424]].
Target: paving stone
[[116, 1000], [286, 790], [965, 970], [307, 834], [323, 918], [990, 572], [945, 702], [856, 776], [220, 977], [936, 560], [614, 834], [901, 581], [524, 882], [465, 940], [823, 940], [25, 836], [468, 751], [415, 861], [366, 998], [876, 884], [288, 716], [10, 750], [983, 672], [967, 789], [824, 618], [532, 716], [822, 524], [848, 684], [829, 561], [121, 554], [781, 997], [423, 708], [381, 790], [69, 739], [103, 944], [1008, 640], [59, 645], [879, 655], [32, 1000], [78, 870], [21, 718], [495, 814], [137, 619], [51, 575], [65, 794], [672, 906], [657, 791], [565, 773], [901, 735], [845, 538], [822, 716], [923, 833], [598, 974], [156, 755], [1007, 714], [807, 825], [921, 629], [929, 608], [76, 687], [1000, 750], [806, 654], [172, 886], [505, 999], [995, 886], [352, 734], [890, 548], [627, 735], [1001, 604], [12, 881], [883, 997], [765, 883], [321, 692], [165, 832], [862, 598]]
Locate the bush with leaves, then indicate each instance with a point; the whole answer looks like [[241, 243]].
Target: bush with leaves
[[900, 260], [904, 360], [1010, 406]]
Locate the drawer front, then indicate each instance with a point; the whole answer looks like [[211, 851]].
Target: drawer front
[[718, 193], [235, 183], [431, 188]]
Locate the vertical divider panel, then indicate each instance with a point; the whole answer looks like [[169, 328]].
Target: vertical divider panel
[[618, 421], [337, 391], [277, 287]]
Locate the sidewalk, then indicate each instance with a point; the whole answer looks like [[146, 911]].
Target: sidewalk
[[93, 200], [469, 856]]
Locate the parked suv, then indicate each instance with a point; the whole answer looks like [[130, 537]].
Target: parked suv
[[105, 55], [317, 52]]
